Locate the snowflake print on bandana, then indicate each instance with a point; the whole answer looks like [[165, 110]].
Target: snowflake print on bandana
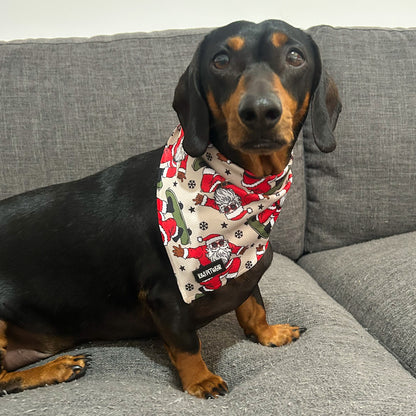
[[214, 217]]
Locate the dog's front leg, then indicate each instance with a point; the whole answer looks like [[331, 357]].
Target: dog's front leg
[[196, 379], [251, 316], [184, 349]]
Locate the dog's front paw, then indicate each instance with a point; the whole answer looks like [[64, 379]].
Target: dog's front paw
[[196, 379], [277, 335], [209, 387]]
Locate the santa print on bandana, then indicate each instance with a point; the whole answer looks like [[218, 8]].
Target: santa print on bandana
[[215, 218]]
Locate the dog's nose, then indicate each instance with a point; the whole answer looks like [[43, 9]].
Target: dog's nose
[[260, 112]]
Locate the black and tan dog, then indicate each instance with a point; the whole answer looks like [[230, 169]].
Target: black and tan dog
[[85, 261]]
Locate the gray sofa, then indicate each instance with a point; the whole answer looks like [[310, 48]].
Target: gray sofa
[[345, 243]]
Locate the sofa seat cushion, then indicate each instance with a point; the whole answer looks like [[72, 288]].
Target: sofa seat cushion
[[335, 368], [376, 282]]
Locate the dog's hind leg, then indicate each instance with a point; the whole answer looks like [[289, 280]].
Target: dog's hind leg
[[65, 368]]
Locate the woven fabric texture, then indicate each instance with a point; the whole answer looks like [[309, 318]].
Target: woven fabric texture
[[366, 188], [375, 281], [335, 368]]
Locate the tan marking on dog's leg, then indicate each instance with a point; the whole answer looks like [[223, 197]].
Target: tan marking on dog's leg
[[62, 369], [252, 318], [8, 383], [196, 379]]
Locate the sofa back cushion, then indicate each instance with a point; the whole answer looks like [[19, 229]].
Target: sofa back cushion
[[366, 188], [70, 107]]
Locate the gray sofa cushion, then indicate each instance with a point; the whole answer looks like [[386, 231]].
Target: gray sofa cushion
[[335, 368], [288, 233], [73, 106], [366, 188], [375, 281], [70, 107]]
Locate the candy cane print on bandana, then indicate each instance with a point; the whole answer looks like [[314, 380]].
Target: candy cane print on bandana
[[214, 217]]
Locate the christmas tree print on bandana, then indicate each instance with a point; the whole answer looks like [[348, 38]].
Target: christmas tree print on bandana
[[215, 218]]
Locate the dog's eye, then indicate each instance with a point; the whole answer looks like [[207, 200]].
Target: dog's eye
[[295, 58], [221, 60]]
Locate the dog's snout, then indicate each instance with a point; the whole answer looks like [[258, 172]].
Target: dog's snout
[[260, 112]]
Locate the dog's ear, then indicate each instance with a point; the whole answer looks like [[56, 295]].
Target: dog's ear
[[192, 109], [325, 108]]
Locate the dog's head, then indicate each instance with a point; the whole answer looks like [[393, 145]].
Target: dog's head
[[249, 88]]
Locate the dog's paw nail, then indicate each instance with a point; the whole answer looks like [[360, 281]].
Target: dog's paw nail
[[209, 396], [302, 330], [223, 389]]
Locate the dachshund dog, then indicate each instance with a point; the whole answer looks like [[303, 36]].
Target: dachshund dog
[[85, 260]]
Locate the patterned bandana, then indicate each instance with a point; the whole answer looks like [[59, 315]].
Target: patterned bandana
[[215, 218]]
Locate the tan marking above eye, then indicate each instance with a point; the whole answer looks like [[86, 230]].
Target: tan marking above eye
[[236, 43], [279, 39]]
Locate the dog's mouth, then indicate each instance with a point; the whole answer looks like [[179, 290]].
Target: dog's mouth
[[263, 145]]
